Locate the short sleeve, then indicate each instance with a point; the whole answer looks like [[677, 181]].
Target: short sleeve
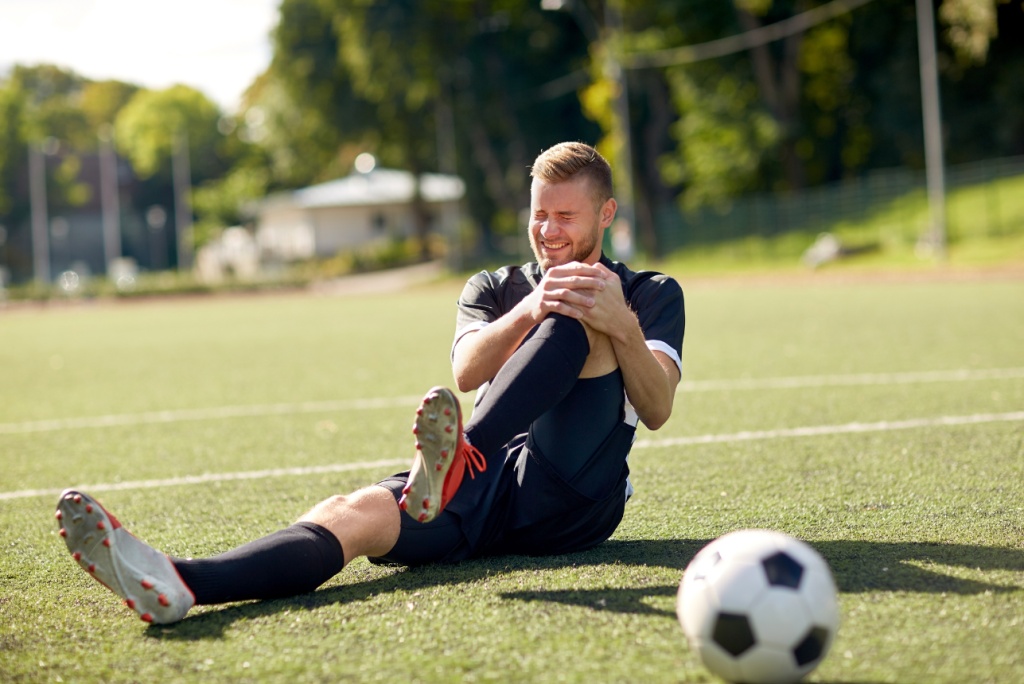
[[478, 306], [658, 304]]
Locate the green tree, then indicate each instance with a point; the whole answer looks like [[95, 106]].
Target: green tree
[[371, 76], [841, 97], [13, 148], [102, 100], [724, 135], [148, 125], [42, 103], [221, 202], [311, 118]]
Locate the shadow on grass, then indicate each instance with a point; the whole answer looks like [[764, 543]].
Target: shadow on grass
[[858, 566]]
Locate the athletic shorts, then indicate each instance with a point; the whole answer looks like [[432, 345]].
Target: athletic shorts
[[522, 507]]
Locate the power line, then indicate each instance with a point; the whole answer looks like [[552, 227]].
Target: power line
[[688, 54]]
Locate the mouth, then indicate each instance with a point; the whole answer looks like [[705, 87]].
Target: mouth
[[553, 246]]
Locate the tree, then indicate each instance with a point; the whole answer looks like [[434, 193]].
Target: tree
[[306, 116], [221, 202], [371, 76], [13, 148], [102, 100], [52, 107], [147, 128]]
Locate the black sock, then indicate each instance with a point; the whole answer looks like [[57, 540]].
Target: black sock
[[295, 560], [536, 377]]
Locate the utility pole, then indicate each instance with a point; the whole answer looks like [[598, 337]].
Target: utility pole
[[40, 221], [933, 157], [182, 175], [110, 201]]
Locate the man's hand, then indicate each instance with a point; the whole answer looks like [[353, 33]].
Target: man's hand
[[570, 290], [650, 377], [608, 313]]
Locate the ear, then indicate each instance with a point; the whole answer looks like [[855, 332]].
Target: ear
[[607, 212]]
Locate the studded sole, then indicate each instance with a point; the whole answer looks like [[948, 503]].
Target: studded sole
[[86, 529], [437, 438], [144, 578]]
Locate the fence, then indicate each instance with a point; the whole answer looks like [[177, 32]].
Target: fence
[[887, 203]]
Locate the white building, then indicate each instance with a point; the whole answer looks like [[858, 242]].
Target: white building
[[350, 212]]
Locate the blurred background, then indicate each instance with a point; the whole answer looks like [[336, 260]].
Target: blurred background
[[228, 143]]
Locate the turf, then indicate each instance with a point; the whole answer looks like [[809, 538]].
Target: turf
[[923, 528], [985, 229]]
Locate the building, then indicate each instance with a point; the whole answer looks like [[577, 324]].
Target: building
[[354, 211]]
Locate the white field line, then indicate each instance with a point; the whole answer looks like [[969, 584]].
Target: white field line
[[880, 426], [640, 444], [212, 413], [853, 379], [218, 412], [211, 477]]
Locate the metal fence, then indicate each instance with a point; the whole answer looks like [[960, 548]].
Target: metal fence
[[892, 200]]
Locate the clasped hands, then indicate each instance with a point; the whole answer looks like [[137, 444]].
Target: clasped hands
[[592, 294]]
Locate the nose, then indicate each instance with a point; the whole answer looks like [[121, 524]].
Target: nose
[[548, 229]]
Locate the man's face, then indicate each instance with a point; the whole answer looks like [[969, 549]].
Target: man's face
[[565, 224]]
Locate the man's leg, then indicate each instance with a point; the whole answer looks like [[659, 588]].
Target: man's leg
[[536, 377], [366, 523], [291, 561], [299, 558]]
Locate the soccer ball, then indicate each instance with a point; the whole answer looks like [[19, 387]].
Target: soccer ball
[[759, 607]]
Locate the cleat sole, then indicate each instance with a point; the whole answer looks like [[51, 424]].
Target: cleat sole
[[116, 559], [435, 440]]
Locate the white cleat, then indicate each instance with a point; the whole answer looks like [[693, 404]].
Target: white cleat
[[142, 576], [442, 456]]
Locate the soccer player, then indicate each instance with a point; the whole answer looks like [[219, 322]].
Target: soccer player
[[568, 352]]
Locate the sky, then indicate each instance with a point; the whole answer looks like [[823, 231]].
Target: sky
[[216, 46]]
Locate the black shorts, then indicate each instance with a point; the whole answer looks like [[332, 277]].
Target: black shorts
[[523, 507]]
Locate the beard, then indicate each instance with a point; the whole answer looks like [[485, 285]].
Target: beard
[[580, 250]]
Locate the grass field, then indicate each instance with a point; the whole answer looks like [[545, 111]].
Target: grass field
[[923, 527], [985, 229]]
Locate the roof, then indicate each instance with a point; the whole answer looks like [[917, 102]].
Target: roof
[[380, 186]]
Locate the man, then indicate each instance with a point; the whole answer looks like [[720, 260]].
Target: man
[[556, 347]]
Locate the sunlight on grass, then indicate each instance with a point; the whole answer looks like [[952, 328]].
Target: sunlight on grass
[[985, 225], [923, 528]]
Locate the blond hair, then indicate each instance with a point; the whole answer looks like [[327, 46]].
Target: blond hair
[[570, 160]]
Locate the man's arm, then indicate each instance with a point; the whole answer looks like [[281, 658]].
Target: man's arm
[[650, 377], [478, 356]]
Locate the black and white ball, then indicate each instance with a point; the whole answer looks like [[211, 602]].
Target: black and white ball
[[759, 607]]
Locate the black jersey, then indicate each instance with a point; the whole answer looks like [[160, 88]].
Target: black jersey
[[656, 299]]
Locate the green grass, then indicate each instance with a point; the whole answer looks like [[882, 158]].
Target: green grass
[[924, 528], [985, 228]]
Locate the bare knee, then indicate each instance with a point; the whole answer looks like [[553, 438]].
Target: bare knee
[[366, 522], [339, 507], [330, 507], [602, 359]]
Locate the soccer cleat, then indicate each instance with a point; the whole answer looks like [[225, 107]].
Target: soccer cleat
[[142, 576], [442, 456]]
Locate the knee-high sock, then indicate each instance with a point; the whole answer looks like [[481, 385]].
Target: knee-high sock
[[292, 561], [535, 378]]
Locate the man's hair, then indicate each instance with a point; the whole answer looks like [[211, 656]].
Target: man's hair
[[570, 160]]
